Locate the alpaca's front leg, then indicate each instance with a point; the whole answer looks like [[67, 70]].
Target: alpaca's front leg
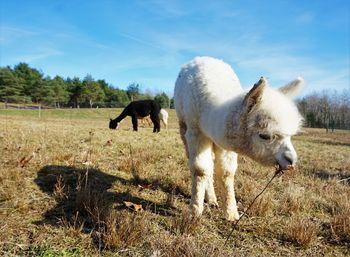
[[201, 166], [230, 204], [156, 122], [225, 169], [210, 195], [198, 191], [134, 122]]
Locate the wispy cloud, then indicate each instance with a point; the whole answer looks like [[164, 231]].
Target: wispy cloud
[[305, 18], [10, 34], [166, 9], [338, 79], [149, 41], [35, 56], [141, 41], [250, 54]]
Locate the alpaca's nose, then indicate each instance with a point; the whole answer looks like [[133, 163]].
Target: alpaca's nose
[[287, 159], [286, 156], [290, 159]]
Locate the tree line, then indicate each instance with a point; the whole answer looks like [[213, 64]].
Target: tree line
[[326, 109], [23, 84]]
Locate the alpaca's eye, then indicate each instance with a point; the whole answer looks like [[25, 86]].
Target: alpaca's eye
[[265, 136]]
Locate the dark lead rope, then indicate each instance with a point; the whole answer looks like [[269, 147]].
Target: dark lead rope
[[251, 204]]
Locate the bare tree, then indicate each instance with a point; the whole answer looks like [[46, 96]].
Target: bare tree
[[328, 109]]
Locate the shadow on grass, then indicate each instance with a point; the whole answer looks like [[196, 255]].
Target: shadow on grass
[[77, 190], [342, 177]]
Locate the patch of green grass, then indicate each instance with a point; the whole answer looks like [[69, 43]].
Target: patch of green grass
[[69, 114], [48, 251]]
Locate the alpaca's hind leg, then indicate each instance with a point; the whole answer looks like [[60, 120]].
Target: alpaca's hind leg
[[156, 122], [201, 166], [165, 123], [225, 169], [183, 129], [210, 196]]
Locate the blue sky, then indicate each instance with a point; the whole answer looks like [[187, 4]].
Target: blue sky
[[148, 41]]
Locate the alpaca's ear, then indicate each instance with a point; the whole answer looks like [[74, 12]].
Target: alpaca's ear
[[293, 88], [254, 95]]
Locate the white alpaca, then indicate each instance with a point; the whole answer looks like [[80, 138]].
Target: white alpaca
[[218, 120], [163, 116]]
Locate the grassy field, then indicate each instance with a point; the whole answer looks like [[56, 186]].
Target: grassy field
[[69, 186]]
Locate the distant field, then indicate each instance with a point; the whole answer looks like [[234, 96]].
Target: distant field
[[69, 186], [84, 113]]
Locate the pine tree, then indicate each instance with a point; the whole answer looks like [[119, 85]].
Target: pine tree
[[10, 89]]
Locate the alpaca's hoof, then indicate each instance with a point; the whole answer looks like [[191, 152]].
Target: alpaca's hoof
[[232, 215], [213, 204], [196, 210], [211, 200]]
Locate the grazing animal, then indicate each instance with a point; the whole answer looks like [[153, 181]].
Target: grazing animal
[[145, 121], [139, 109], [218, 120], [163, 116]]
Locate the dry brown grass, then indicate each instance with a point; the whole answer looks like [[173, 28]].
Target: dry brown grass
[[186, 246], [64, 184], [185, 223], [302, 232], [123, 230], [340, 225]]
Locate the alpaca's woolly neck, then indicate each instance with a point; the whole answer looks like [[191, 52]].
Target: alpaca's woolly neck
[[221, 123], [121, 116]]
